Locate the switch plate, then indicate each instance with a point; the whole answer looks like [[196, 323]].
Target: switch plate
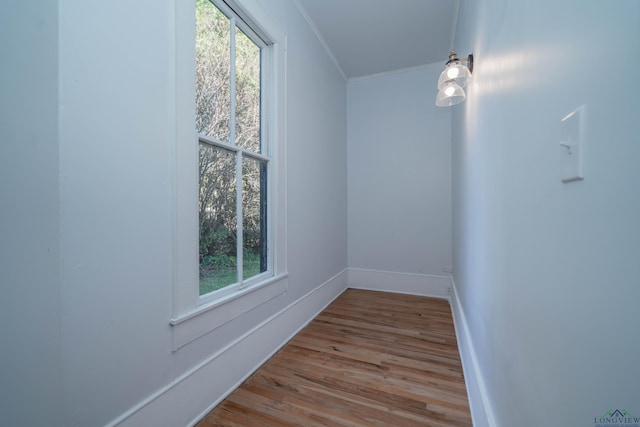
[[572, 146]]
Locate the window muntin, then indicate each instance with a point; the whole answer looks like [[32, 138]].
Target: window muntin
[[234, 244]]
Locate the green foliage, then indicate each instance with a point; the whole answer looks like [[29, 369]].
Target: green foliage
[[220, 262], [216, 272], [212, 282]]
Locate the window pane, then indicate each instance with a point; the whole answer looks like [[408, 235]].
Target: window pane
[[247, 93], [254, 221], [218, 226], [213, 59]]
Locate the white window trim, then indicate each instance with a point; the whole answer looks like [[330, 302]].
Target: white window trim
[[192, 315]]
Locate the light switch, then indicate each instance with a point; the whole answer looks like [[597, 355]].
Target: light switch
[[571, 146]]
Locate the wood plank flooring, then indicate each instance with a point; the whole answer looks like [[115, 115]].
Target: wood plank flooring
[[369, 359]]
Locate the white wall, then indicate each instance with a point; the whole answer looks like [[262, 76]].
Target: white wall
[[399, 174], [30, 360], [316, 154], [547, 273], [87, 153], [115, 219]]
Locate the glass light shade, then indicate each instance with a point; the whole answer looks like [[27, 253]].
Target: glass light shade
[[455, 71], [450, 94]]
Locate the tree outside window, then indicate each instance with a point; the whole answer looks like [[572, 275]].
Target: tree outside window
[[234, 164]]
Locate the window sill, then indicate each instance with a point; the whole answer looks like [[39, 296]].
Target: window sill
[[207, 317]]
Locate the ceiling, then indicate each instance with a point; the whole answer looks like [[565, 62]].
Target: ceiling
[[377, 36]]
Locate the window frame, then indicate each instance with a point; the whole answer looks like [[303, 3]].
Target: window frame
[[241, 284], [193, 315]]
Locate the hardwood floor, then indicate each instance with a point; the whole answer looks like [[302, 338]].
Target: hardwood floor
[[369, 359]]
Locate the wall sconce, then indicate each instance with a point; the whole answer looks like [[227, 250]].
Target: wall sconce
[[452, 80]]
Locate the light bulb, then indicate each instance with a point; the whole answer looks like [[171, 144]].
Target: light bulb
[[451, 94], [454, 72]]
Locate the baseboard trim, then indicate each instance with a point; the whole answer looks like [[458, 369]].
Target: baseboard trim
[[255, 347], [403, 283], [188, 394], [481, 411]]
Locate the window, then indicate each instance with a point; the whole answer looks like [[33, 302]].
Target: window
[[234, 161], [229, 178]]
